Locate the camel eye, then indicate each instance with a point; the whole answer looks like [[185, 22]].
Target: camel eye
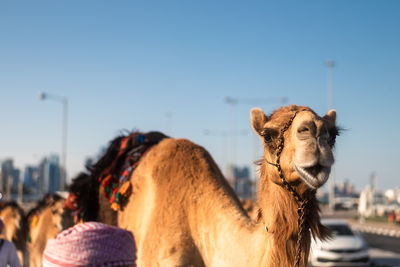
[[267, 138], [303, 129], [269, 135]]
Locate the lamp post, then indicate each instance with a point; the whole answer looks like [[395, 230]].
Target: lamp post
[[64, 101], [330, 64]]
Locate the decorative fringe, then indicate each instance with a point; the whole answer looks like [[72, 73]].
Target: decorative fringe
[[115, 206], [107, 180], [34, 221], [32, 224], [71, 202], [125, 188]]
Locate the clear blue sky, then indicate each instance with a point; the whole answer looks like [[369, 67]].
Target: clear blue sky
[[167, 65]]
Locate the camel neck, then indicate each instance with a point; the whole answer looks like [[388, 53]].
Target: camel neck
[[280, 216], [232, 239], [222, 231]]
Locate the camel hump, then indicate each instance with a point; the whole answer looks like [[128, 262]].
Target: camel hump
[[183, 163], [181, 152], [182, 144]]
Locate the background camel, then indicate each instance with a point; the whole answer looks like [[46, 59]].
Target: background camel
[[183, 212], [46, 220], [14, 220]]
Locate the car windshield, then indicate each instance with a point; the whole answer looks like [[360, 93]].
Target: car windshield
[[340, 229]]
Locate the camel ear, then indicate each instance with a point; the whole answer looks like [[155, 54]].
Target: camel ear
[[257, 119], [330, 117]]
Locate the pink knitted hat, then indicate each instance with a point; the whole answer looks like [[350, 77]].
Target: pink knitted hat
[[91, 244]]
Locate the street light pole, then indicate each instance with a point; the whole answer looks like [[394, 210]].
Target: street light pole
[[330, 64], [64, 101]]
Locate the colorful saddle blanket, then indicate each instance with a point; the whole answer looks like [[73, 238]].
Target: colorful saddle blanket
[[115, 180]]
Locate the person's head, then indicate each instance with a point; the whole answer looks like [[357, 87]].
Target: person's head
[[91, 244]]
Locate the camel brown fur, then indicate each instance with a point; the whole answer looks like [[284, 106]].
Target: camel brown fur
[[47, 219], [14, 220], [251, 207], [183, 212]]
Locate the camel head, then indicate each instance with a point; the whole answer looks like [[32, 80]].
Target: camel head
[[11, 218], [57, 210], [306, 157], [14, 221], [61, 218]]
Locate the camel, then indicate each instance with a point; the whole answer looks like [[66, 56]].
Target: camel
[[183, 212], [14, 220], [46, 220]]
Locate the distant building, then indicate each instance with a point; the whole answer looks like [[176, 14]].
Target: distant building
[[31, 179], [239, 178], [43, 178], [53, 173], [49, 175], [9, 176], [345, 189]]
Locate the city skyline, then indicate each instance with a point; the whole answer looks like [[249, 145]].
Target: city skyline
[[171, 66], [31, 182]]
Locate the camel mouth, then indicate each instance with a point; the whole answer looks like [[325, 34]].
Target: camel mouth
[[314, 176]]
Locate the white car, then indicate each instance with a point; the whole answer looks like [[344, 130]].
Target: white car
[[344, 249]]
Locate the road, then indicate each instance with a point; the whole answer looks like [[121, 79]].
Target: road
[[384, 258], [384, 249], [382, 242]]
